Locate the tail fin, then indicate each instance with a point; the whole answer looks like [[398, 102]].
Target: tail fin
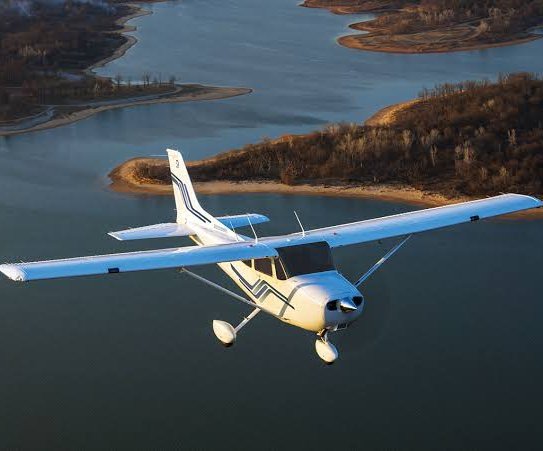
[[188, 207]]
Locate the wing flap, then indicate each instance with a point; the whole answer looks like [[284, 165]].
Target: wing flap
[[136, 261], [165, 230]]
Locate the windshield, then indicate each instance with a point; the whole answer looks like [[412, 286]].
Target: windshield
[[306, 258]]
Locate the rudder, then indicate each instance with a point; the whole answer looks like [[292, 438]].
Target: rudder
[[188, 207]]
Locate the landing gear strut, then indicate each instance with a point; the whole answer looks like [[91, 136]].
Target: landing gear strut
[[225, 332], [325, 349]]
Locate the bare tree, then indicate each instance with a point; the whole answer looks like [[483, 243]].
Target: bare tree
[[433, 155], [146, 77], [118, 80]]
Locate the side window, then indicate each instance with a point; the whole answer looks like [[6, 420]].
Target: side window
[[279, 271], [248, 263], [264, 265]]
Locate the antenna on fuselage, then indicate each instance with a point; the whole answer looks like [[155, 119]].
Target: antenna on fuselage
[[299, 222], [252, 228]]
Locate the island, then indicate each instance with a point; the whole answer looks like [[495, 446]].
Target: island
[[48, 51], [432, 26], [454, 142]]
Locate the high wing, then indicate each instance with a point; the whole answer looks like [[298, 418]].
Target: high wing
[[137, 261], [336, 236], [411, 222]]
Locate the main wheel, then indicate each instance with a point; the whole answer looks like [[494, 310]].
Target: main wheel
[[326, 351], [225, 332]]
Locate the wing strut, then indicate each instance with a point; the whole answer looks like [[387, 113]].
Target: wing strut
[[255, 312], [383, 259], [229, 293]]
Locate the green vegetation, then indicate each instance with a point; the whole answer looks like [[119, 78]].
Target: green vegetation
[[471, 138]]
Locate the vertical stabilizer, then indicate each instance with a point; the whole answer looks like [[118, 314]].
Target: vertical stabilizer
[[188, 207]]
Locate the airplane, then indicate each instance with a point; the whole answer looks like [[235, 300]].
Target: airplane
[[291, 277]]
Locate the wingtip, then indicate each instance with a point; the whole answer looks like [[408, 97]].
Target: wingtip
[[13, 272], [114, 235]]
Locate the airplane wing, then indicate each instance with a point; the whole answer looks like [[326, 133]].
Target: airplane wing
[[136, 261], [411, 222], [336, 236]]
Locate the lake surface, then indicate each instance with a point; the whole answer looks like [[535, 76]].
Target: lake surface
[[447, 354]]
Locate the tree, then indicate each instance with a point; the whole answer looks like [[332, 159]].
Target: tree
[[118, 80], [146, 77]]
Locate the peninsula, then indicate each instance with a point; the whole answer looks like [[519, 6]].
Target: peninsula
[[454, 142], [48, 51], [432, 26]]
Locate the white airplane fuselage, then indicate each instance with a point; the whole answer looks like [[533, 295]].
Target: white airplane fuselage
[[309, 301]]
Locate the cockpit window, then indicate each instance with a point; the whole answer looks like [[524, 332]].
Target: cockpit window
[[279, 271], [306, 258], [264, 265]]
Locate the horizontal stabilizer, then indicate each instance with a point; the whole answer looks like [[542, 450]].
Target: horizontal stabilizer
[[165, 230], [242, 220]]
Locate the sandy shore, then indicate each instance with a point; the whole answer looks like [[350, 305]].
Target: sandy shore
[[387, 115], [123, 181], [422, 43], [453, 38], [183, 94]]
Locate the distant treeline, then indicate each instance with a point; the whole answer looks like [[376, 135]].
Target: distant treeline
[[45, 47], [489, 21], [497, 16], [469, 138]]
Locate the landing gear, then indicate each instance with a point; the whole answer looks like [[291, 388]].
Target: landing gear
[[325, 349], [226, 333]]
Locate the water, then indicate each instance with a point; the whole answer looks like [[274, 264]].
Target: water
[[447, 354]]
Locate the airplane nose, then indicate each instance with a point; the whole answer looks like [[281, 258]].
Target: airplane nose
[[347, 305]]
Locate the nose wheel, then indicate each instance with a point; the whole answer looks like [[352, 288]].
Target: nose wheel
[[325, 349]]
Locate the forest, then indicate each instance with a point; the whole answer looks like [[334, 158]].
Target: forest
[[46, 47], [494, 16], [422, 26], [472, 138]]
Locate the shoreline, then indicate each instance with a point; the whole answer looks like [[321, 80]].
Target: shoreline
[[387, 115], [124, 182], [178, 96], [54, 113], [418, 42], [352, 41], [137, 11]]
